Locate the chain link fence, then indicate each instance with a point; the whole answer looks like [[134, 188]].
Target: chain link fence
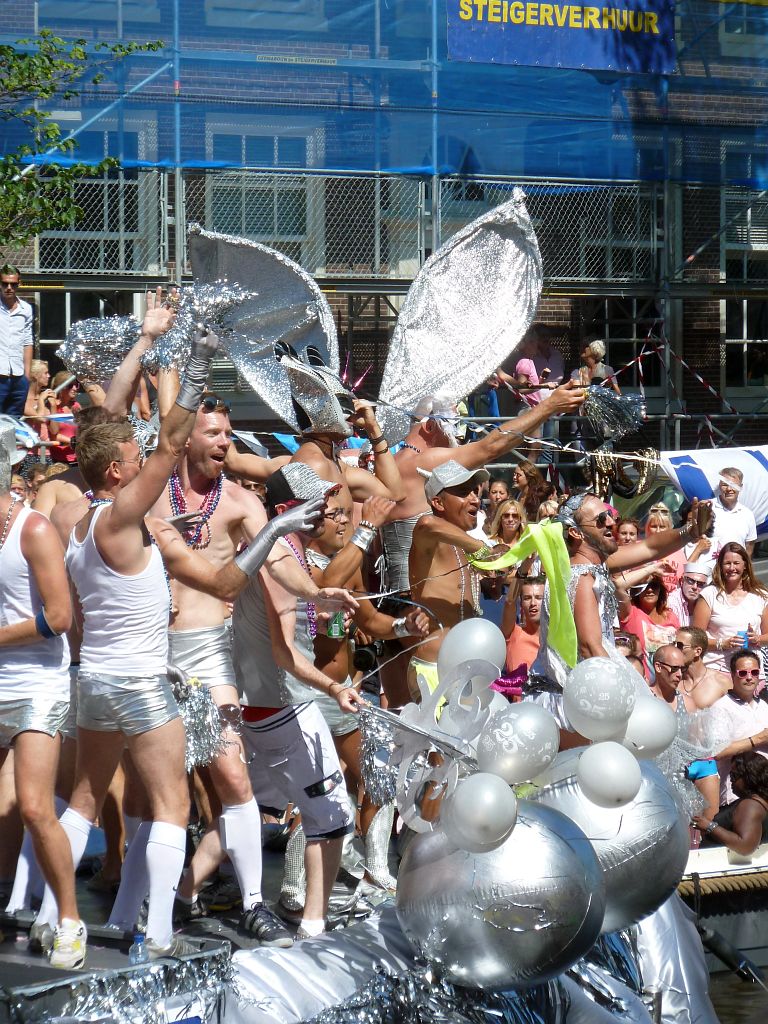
[[334, 226], [586, 232]]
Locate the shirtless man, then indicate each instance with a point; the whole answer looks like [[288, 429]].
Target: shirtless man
[[702, 684], [34, 692], [440, 576], [200, 645], [432, 441]]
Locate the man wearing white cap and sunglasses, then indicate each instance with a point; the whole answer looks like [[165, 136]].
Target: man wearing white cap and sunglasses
[[733, 521], [440, 576], [696, 575]]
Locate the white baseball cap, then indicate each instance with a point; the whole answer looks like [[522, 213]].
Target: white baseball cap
[[450, 474]]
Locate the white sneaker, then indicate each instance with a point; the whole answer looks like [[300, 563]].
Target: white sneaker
[[69, 944], [177, 947]]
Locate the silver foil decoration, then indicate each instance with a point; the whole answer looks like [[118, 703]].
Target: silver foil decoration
[[95, 348], [324, 404], [202, 719], [516, 916], [376, 748], [215, 305], [416, 996], [613, 416], [471, 303], [285, 307], [193, 986], [145, 434]]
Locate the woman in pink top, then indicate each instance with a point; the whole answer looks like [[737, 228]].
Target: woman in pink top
[[646, 615]]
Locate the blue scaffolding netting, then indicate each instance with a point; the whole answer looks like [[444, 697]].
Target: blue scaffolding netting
[[347, 86]]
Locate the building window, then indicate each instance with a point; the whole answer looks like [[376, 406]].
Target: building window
[[743, 31], [627, 326]]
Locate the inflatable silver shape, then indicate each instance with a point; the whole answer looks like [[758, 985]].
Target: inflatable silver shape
[[510, 918], [642, 847], [518, 742], [469, 306]]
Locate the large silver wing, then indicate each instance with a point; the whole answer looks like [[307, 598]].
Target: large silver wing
[[471, 303]]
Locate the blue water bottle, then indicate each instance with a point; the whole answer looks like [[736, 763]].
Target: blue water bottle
[[138, 953], [744, 637]]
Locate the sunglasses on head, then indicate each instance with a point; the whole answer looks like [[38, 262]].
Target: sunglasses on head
[[213, 403], [746, 673]]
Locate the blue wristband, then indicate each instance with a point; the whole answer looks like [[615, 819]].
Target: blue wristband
[[42, 626]]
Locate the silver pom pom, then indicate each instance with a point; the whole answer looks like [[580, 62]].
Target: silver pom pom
[[612, 415], [376, 747], [201, 717], [93, 349]]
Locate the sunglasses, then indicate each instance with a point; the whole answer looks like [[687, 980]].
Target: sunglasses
[[623, 641], [670, 668], [681, 646], [746, 673], [694, 583], [11, 284], [602, 519], [337, 515], [212, 403]]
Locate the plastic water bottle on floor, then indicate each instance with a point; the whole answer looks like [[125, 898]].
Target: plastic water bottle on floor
[[138, 953]]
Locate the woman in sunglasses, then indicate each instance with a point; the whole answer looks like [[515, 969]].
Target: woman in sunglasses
[[734, 608], [645, 614], [743, 718], [660, 519], [63, 433]]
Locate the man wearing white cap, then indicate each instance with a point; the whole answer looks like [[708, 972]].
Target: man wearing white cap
[[733, 521], [696, 575], [440, 576]]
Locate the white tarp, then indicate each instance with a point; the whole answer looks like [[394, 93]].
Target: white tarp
[[697, 473]]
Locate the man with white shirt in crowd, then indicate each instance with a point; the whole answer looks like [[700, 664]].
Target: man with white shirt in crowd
[[696, 575], [733, 521], [745, 716], [15, 343]]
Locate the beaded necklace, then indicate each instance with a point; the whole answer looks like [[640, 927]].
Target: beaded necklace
[[7, 523], [412, 447], [199, 535], [311, 606], [474, 584]]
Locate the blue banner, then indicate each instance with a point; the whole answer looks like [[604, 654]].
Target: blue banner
[[629, 35]]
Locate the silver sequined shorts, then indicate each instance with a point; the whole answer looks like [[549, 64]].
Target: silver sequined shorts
[[205, 653], [131, 705], [31, 714], [339, 722]]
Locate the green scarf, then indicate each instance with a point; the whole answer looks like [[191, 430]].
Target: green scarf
[[547, 540]]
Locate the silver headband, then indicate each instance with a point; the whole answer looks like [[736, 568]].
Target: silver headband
[[569, 508]]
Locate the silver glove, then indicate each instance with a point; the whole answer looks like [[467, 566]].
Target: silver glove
[[205, 345], [301, 519]]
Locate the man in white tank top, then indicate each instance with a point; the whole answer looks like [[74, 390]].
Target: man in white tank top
[[35, 610], [124, 697]]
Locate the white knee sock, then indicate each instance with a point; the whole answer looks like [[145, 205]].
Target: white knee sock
[[28, 881], [78, 829], [240, 828], [166, 846], [131, 826], [134, 881]]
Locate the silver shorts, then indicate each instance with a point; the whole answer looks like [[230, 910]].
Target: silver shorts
[[131, 705], [31, 714], [341, 723], [69, 729], [292, 753], [204, 653]]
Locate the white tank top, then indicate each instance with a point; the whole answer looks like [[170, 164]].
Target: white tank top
[[125, 618], [33, 669]]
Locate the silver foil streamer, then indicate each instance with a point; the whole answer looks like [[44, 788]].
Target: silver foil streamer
[[417, 996], [136, 994], [94, 348], [376, 748], [201, 717], [285, 306], [468, 308], [613, 416], [215, 305]]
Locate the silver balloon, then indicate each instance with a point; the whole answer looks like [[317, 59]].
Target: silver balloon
[[642, 847], [511, 918], [598, 698], [518, 742], [651, 728], [609, 774], [480, 813], [472, 639]]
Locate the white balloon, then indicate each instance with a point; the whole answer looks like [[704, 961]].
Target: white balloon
[[518, 743], [598, 698], [609, 775], [651, 728], [480, 813], [472, 639]]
